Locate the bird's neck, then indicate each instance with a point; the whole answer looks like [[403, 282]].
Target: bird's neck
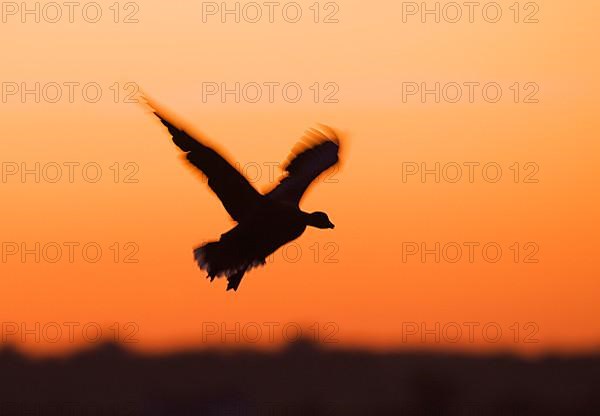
[[307, 218]]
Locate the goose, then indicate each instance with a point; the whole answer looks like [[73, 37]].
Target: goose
[[265, 222]]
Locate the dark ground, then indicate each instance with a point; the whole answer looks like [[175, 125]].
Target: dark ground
[[299, 380]]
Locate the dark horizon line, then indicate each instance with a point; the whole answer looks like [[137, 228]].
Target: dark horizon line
[[303, 345]]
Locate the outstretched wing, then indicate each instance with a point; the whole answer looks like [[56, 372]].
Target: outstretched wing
[[314, 155], [233, 189]]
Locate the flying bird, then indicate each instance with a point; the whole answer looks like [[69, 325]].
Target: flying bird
[[264, 222]]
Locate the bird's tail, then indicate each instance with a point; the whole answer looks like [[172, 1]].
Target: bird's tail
[[208, 258], [218, 262]]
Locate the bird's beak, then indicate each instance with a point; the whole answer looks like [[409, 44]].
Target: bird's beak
[[331, 225]]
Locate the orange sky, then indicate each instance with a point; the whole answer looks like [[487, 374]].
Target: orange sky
[[370, 295]]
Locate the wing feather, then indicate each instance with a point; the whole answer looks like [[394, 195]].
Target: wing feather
[[237, 195], [317, 152]]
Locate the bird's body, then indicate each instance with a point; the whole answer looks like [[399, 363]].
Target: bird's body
[[264, 222], [249, 243]]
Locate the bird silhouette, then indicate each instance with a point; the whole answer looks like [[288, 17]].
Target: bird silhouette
[[264, 222]]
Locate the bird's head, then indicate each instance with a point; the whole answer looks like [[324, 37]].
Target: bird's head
[[319, 219]]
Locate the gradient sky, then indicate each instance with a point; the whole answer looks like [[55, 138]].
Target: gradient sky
[[359, 282]]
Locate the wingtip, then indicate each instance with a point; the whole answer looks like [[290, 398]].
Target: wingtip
[[152, 106], [154, 109], [329, 132], [147, 101], [323, 133]]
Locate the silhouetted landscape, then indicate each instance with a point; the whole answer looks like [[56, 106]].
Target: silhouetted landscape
[[301, 379]]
